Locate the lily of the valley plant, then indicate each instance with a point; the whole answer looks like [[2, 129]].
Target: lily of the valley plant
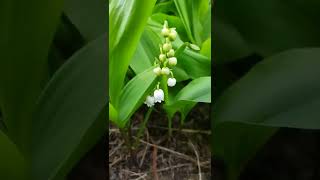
[[163, 64]]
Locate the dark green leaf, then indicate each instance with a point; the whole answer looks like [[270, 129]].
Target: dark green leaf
[[12, 164], [275, 25], [282, 91], [90, 17], [27, 29], [69, 106]]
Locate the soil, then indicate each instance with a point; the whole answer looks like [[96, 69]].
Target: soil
[[291, 154], [184, 156]]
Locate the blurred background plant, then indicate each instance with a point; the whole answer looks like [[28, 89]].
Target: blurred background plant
[[53, 85], [266, 61]]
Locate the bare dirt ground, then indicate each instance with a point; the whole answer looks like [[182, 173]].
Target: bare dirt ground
[[183, 156]]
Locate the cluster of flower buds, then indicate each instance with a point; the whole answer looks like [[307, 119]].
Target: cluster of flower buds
[[163, 64]]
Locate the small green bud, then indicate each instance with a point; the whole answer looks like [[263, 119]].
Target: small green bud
[[172, 61], [165, 32], [157, 71], [170, 53], [162, 57], [173, 34], [165, 71], [167, 46]]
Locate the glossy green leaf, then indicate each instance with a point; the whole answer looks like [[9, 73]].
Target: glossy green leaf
[[13, 163], [191, 13], [280, 91], [166, 7], [198, 90], [90, 17], [146, 52], [206, 48], [275, 25], [68, 108], [134, 94], [127, 19], [27, 29]]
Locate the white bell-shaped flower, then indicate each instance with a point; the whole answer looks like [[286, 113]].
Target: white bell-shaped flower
[[171, 82], [165, 71], [150, 100], [157, 70], [158, 95], [172, 61]]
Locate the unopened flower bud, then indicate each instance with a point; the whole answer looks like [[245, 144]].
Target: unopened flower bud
[[171, 82], [165, 32], [173, 34], [172, 61], [162, 57], [167, 46], [170, 53], [165, 71], [157, 70]]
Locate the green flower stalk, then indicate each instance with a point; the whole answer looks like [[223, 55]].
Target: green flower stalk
[[163, 64]]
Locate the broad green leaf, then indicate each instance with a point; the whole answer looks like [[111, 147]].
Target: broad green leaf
[[228, 43], [183, 99], [134, 94], [12, 164], [237, 143], [166, 7], [68, 109], [198, 90], [275, 25], [191, 13], [127, 19], [280, 91], [206, 48], [27, 29], [90, 17], [113, 114], [146, 52]]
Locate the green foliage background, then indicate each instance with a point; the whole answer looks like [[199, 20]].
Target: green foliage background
[[278, 42]]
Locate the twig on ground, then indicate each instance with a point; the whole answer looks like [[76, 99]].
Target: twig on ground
[[174, 167], [115, 161], [116, 148], [169, 150], [154, 163], [198, 161], [196, 131]]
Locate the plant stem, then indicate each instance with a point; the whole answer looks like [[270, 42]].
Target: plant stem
[[144, 123], [164, 86]]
